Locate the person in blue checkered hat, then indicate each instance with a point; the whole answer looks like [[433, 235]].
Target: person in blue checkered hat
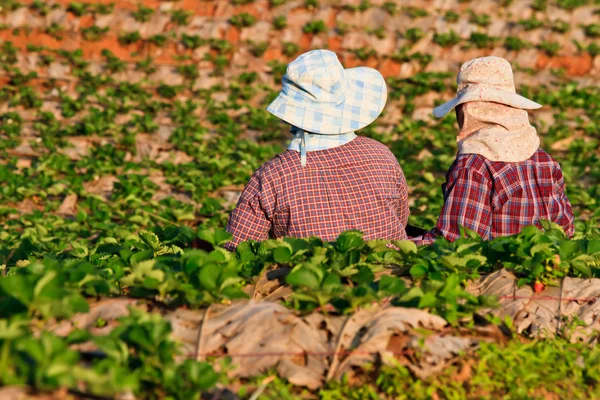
[[329, 180]]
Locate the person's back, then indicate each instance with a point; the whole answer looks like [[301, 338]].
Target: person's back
[[503, 198], [358, 185], [501, 180], [329, 180]]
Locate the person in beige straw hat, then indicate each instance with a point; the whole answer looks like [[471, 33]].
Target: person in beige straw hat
[[501, 180]]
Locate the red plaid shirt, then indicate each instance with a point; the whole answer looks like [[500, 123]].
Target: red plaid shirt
[[500, 199], [358, 185]]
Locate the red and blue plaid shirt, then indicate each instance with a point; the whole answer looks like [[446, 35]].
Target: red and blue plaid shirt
[[500, 199], [358, 185]]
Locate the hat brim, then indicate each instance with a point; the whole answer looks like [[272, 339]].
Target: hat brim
[[487, 93], [364, 102]]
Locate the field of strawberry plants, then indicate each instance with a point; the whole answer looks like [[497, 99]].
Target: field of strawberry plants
[[127, 132]]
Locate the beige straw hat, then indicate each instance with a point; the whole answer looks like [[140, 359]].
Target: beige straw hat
[[486, 79]]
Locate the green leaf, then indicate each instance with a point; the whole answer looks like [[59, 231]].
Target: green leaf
[[150, 239], [391, 285], [141, 256], [331, 281], [303, 276], [364, 275], [468, 233], [12, 329], [379, 245], [43, 282], [543, 248], [349, 240], [568, 248], [216, 237], [282, 255], [593, 247], [582, 268], [79, 250], [405, 246], [523, 281], [428, 300], [418, 271], [78, 336], [551, 226], [209, 276], [81, 216]]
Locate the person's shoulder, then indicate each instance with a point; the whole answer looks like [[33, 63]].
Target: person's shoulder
[[369, 143], [371, 147], [542, 157], [471, 162], [277, 166]]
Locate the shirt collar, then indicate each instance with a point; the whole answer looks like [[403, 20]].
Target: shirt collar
[[305, 141]]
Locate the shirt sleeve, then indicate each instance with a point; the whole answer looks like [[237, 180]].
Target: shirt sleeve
[[565, 216], [249, 220], [467, 203], [403, 211]]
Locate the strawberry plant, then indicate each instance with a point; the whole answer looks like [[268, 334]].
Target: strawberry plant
[[93, 33], [279, 22], [77, 8], [192, 41], [361, 7], [101, 8], [482, 40], [189, 72], [446, 39], [539, 5], [413, 35], [550, 48], [592, 30], [531, 23], [478, 19], [311, 4], [514, 43], [129, 38], [290, 49], [390, 7], [364, 53], [451, 16], [112, 62], [415, 12], [571, 4], [41, 7], [180, 17], [10, 5], [378, 32], [142, 14], [159, 40], [258, 49], [242, 20], [560, 26], [315, 27], [56, 31]]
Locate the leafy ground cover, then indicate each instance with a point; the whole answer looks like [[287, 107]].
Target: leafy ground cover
[[127, 132]]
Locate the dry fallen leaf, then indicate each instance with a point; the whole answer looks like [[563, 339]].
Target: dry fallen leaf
[[306, 350], [543, 314], [69, 205]]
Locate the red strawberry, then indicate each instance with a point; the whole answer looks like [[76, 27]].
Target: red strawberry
[[538, 287]]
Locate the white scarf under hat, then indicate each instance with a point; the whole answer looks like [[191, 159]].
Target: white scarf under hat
[[306, 141], [497, 132]]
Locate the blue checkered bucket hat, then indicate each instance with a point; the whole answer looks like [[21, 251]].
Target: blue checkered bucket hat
[[320, 96]]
